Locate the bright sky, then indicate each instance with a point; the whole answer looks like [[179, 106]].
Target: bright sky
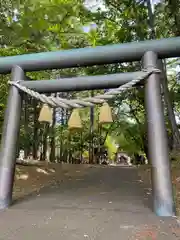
[[95, 4]]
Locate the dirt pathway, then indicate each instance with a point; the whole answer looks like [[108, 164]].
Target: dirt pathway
[[98, 204]]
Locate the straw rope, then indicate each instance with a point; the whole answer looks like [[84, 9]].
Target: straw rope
[[85, 102]]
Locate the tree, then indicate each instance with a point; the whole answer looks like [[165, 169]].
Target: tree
[[62, 25]]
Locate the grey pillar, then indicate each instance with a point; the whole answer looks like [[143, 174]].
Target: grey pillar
[[157, 142], [9, 140]]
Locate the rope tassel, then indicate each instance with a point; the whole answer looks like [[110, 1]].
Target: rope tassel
[[105, 115], [74, 122], [46, 114]]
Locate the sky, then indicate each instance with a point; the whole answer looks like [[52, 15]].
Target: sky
[[95, 4]]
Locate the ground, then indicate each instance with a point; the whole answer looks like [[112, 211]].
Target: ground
[[29, 179], [85, 202], [145, 174]]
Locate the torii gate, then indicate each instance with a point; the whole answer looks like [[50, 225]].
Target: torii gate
[[147, 51]]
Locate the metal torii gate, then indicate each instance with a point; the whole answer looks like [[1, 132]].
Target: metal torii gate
[[147, 51]]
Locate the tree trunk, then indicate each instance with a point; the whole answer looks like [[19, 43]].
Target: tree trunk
[[52, 143], [151, 20], [61, 158], [170, 112], [35, 133], [44, 143], [26, 126], [91, 133]]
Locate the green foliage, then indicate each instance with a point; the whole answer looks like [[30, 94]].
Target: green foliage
[[48, 25]]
